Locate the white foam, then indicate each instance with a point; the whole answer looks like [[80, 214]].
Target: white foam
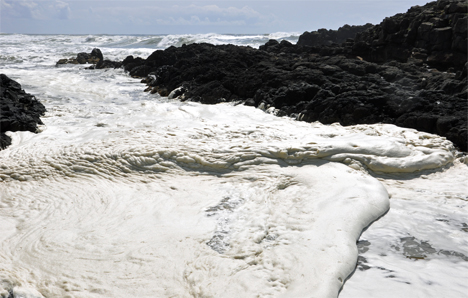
[[124, 193], [122, 237], [420, 247]]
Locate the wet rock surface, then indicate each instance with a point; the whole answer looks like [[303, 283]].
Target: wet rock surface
[[19, 110], [384, 75]]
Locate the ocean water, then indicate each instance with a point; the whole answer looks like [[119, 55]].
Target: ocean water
[[129, 194]]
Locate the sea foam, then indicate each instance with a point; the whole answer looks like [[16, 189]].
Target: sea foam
[[124, 193]]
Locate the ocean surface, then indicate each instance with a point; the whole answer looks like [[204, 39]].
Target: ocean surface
[[128, 194]]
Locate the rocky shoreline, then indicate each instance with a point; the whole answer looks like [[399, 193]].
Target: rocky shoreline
[[410, 70]]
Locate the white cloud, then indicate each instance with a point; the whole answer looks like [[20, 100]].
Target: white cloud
[[37, 10], [168, 14], [211, 15], [214, 10], [17, 9], [196, 21], [62, 10]]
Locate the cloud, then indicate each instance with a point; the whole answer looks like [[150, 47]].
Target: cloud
[[244, 12], [211, 15], [62, 10], [182, 14], [214, 10], [197, 21], [36, 10], [18, 9]]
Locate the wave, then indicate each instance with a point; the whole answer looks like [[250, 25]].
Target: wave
[[46, 50], [177, 40], [165, 41]]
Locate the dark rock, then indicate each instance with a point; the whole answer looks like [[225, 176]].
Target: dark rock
[[329, 37], [272, 44], [441, 39], [140, 71], [19, 110], [250, 102], [130, 63], [438, 27], [96, 53], [107, 64], [62, 61], [5, 140], [82, 58], [95, 58], [456, 7]]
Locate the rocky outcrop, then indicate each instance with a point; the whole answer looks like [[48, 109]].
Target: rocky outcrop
[[435, 34], [95, 57], [362, 81], [19, 110], [312, 86]]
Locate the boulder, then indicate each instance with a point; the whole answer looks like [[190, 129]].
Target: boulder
[[97, 54]]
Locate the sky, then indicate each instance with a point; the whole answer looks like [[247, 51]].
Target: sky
[[191, 17]]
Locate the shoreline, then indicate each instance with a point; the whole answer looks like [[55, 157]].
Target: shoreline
[[410, 70]]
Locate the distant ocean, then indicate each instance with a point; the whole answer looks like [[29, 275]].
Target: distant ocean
[[128, 194]]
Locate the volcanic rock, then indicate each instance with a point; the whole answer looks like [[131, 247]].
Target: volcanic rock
[[20, 111], [439, 27]]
